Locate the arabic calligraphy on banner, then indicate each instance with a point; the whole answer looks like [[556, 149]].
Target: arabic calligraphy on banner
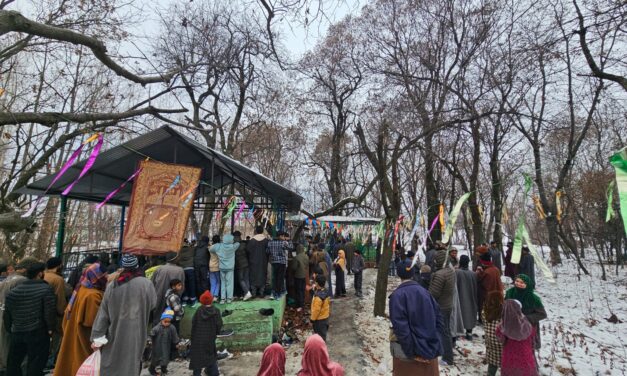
[[157, 219]]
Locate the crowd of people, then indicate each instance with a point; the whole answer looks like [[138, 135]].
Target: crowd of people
[[443, 299], [48, 323]]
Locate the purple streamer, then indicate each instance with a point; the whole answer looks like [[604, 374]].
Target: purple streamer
[[90, 162], [114, 192]]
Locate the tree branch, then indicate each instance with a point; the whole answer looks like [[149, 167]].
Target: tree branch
[[51, 118], [12, 21]]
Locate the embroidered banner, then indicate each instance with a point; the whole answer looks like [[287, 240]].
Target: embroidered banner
[[157, 219]]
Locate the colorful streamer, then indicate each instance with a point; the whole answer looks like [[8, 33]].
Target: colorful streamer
[[452, 217], [424, 241], [90, 162], [516, 250], [115, 191], [534, 253], [62, 171], [538, 205], [558, 204], [619, 161], [441, 216], [174, 183]]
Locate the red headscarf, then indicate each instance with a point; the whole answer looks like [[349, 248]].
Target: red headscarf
[[273, 361], [316, 359]]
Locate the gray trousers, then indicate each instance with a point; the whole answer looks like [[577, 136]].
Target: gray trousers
[[243, 275]]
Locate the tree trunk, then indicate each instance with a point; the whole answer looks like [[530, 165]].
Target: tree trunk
[[551, 225], [433, 198], [380, 293]]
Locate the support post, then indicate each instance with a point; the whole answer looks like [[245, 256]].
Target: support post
[[122, 218], [61, 231]]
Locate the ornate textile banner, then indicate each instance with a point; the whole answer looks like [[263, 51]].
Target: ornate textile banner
[[157, 220]]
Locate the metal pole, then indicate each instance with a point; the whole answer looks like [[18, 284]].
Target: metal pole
[[122, 217], [61, 231]]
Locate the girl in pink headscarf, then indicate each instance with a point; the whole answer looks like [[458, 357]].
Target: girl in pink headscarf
[[516, 333], [273, 361], [316, 360]]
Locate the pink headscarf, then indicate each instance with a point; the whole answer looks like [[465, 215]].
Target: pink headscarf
[[316, 359], [273, 361], [514, 324]]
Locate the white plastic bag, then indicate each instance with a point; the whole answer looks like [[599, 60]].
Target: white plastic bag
[[91, 365]]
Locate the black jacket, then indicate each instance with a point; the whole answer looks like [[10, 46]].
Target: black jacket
[[206, 324], [30, 306], [201, 255]]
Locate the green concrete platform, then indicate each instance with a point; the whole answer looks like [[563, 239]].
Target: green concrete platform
[[252, 330]]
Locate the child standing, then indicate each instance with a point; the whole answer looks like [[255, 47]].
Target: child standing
[[226, 257], [206, 324], [173, 300], [358, 266], [516, 333], [340, 269], [320, 308], [491, 316], [163, 337]]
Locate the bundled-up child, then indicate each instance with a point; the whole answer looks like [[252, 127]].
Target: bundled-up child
[[173, 300], [340, 269], [517, 334], [320, 308], [357, 266], [163, 336], [206, 324], [491, 315]]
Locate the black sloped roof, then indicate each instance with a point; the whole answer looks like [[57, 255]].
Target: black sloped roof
[[164, 144]]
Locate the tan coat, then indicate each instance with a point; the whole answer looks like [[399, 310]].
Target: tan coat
[[58, 285]]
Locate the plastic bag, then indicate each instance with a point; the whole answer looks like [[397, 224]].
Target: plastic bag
[[91, 365]]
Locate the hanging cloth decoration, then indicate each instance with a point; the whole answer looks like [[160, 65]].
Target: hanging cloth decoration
[[424, 241], [610, 197], [66, 166], [538, 205], [469, 215], [518, 238], [396, 228], [619, 161], [558, 204], [452, 217], [175, 182], [536, 256], [441, 216], [504, 215], [115, 191], [415, 228], [90, 162]]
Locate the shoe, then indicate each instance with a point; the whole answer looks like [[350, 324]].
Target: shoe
[[229, 301], [225, 333], [223, 355], [222, 301], [443, 363], [270, 297], [226, 313], [247, 296]]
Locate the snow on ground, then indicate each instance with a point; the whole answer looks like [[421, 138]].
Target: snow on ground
[[576, 337]]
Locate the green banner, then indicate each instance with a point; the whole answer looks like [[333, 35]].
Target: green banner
[[536, 256], [518, 238], [452, 217], [619, 161], [610, 197]]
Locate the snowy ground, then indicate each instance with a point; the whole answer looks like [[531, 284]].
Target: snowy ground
[[576, 338]]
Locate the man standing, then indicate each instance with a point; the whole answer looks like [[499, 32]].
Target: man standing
[[489, 279], [497, 256], [510, 269], [121, 326], [467, 289], [416, 324], [201, 265], [186, 261], [349, 249], [29, 317], [257, 262], [277, 255], [300, 270], [54, 278], [442, 288], [527, 265], [241, 265], [6, 286], [161, 282]]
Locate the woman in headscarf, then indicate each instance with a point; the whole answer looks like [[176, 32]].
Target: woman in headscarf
[[340, 269], [491, 315], [516, 333], [532, 306], [316, 360], [272, 361], [78, 319]]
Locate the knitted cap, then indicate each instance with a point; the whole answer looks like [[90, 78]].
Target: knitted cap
[[206, 298], [167, 314], [425, 269], [26, 263], [129, 261]]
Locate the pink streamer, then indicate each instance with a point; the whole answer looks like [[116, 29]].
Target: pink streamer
[[90, 162], [114, 192], [62, 171], [240, 210], [424, 241]]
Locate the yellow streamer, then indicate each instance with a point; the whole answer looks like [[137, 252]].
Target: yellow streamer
[[94, 137], [442, 223], [558, 204], [504, 215], [538, 205]]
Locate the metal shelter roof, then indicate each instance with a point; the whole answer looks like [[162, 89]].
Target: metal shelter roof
[[164, 144]]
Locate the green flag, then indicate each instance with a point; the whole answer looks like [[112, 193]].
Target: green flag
[[452, 217], [619, 161]]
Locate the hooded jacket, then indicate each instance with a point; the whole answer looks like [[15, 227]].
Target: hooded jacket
[[201, 254], [241, 258], [416, 321], [442, 286], [320, 305], [206, 324], [300, 263], [226, 252]]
